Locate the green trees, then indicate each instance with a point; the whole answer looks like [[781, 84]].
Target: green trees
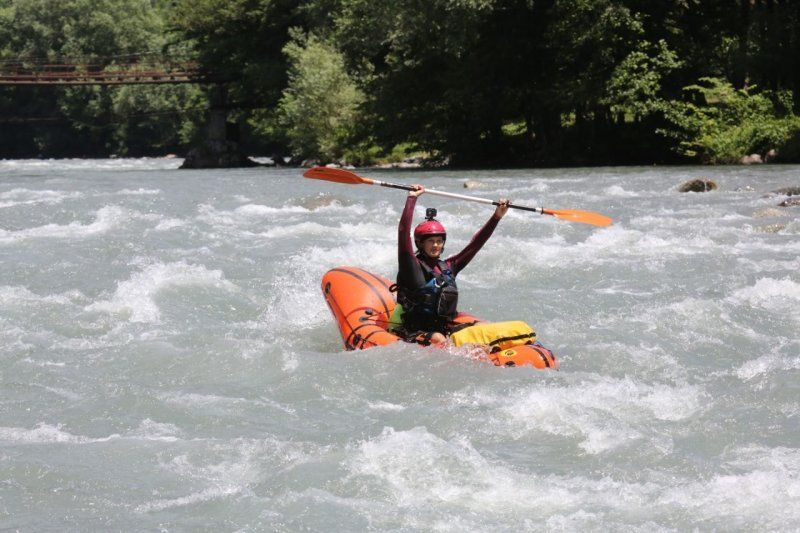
[[503, 82], [472, 82], [564, 81], [320, 105], [720, 124], [88, 120], [241, 42], [635, 87]]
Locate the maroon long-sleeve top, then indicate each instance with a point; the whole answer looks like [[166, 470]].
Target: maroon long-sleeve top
[[410, 274]]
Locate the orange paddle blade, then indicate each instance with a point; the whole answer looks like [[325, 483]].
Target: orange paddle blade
[[585, 217], [338, 175]]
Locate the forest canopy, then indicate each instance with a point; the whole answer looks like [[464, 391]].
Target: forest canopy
[[468, 82]]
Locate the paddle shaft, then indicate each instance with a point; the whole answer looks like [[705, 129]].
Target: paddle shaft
[[456, 196], [340, 175]]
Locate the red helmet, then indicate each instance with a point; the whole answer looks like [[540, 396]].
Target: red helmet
[[429, 228]]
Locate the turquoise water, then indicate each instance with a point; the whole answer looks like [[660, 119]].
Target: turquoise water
[[167, 361]]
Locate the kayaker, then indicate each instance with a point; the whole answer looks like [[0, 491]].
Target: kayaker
[[426, 289]]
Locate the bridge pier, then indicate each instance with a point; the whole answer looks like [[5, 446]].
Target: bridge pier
[[220, 149]]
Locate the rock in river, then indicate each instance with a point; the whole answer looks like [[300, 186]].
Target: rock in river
[[698, 185]]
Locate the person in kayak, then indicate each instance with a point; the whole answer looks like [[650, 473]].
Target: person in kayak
[[426, 287]]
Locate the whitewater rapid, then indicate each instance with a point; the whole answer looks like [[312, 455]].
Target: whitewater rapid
[[167, 361]]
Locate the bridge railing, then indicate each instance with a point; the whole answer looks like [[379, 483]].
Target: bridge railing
[[116, 70]]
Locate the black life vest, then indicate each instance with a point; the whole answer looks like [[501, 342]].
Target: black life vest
[[435, 303]]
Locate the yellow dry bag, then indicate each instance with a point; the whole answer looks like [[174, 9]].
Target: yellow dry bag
[[498, 335]]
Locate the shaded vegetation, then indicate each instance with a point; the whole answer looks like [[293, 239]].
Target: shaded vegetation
[[718, 124], [469, 82]]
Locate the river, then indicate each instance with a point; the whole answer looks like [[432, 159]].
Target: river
[[167, 361]]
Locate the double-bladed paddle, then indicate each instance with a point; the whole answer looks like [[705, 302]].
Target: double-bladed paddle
[[340, 175]]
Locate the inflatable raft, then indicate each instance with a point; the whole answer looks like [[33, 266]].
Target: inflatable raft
[[362, 303]]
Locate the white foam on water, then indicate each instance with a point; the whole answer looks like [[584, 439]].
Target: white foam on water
[[151, 430], [604, 414], [46, 434], [170, 223], [21, 196], [198, 400], [691, 320], [296, 300], [289, 361], [359, 505], [622, 289], [618, 192], [143, 163], [423, 471], [331, 208], [64, 393], [263, 211], [14, 296], [686, 311], [116, 336], [612, 245], [106, 219], [779, 295], [621, 242], [134, 298], [760, 487], [228, 468], [12, 339], [139, 192], [302, 229], [494, 262], [763, 247], [385, 406], [248, 214], [312, 229], [535, 187], [766, 364], [432, 477], [217, 403], [792, 228], [418, 466], [210, 494], [760, 265], [44, 364], [690, 217]]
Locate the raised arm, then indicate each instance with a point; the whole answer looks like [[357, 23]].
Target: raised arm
[[409, 273], [462, 258], [404, 245]]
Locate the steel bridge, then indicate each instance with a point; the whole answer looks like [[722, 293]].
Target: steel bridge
[[131, 69]]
